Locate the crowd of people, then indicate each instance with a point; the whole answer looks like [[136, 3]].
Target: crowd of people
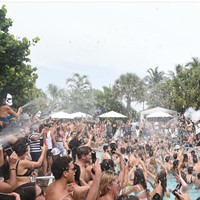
[[105, 160]]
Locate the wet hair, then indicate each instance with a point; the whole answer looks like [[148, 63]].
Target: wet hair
[[175, 156], [150, 153], [183, 166], [26, 191], [190, 170], [20, 146], [105, 147], [175, 163], [122, 150], [139, 178], [77, 174], [83, 150], [162, 177], [107, 165], [167, 158], [60, 165], [195, 159]]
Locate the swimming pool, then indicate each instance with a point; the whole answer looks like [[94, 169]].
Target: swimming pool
[[171, 184]]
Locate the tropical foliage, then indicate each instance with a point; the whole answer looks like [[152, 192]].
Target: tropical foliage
[[17, 76]]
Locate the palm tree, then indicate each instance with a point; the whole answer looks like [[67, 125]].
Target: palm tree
[[194, 64], [153, 80], [78, 82], [154, 76], [128, 88], [53, 91], [81, 94]]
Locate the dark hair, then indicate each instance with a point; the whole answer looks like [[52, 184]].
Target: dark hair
[[175, 164], [185, 157], [189, 170], [26, 191], [123, 197], [105, 147], [122, 150], [77, 174], [107, 165], [129, 149], [162, 177], [60, 165], [195, 159], [139, 178], [20, 146], [83, 150], [167, 158], [175, 156]]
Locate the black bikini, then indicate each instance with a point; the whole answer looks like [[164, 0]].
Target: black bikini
[[27, 173]]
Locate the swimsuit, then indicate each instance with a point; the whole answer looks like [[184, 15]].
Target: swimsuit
[[6, 119], [139, 193], [27, 173]]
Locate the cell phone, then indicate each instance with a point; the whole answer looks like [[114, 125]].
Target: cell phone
[[41, 142], [173, 192], [4, 196], [113, 147], [93, 156], [93, 138], [125, 160], [8, 151]]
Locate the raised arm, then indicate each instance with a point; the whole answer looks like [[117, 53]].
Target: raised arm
[[11, 183]]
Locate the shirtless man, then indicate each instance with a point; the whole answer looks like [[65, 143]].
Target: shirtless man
[[84, 158], [63, 171]]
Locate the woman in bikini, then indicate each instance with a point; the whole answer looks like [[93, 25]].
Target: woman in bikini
[[25, 167], [139, 185]]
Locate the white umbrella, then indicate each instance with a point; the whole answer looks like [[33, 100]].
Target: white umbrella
[[61, 115], [158, 115], [80, 115], [112, 114]]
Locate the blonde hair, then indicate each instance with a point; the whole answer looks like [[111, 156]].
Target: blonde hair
[[106, 179]]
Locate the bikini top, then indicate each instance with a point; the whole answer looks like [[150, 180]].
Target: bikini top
[[140, 192], [27, 173]]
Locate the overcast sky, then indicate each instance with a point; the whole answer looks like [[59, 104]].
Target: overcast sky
[[105, 40]]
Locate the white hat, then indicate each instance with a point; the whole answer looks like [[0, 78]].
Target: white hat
[[177, 146], [55, 151]]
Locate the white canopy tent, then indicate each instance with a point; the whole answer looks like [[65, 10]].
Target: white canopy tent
[[145, 113], [61, 115], [80, 115], [158, 115], [112, 114]]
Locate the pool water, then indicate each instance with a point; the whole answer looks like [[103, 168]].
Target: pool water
[[171, 184]]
